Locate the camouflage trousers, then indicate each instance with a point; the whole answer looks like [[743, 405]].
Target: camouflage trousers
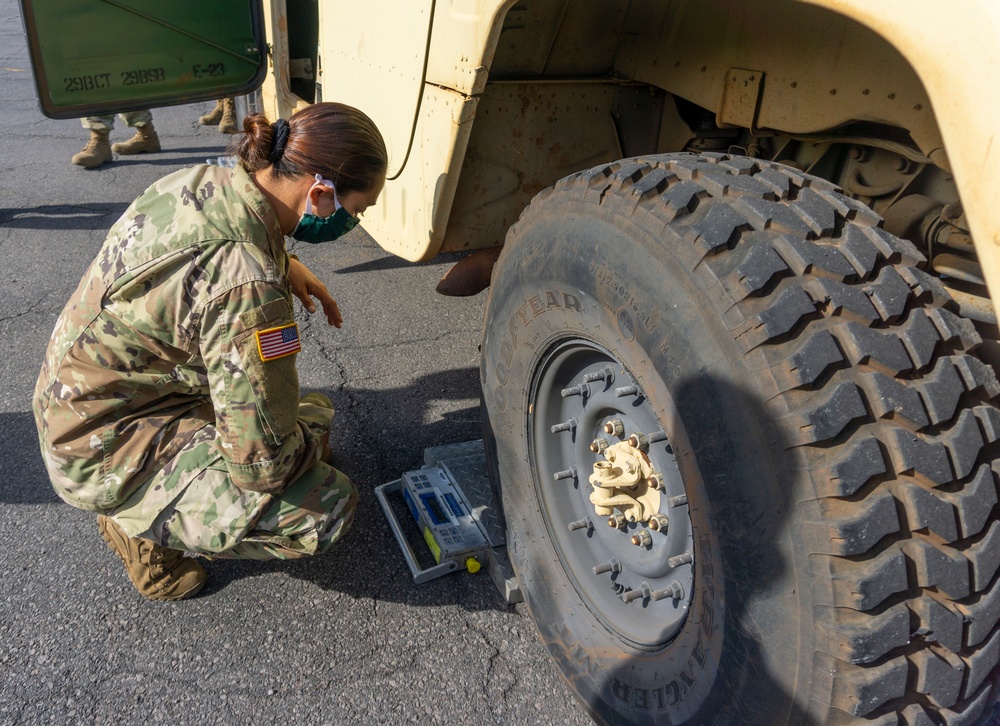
[[192, 505], [107, 123]]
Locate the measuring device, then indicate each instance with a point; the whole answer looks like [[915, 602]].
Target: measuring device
[[452, 502], [445, 518]]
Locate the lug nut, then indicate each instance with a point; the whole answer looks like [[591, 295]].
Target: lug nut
[[581, 524], [632, 595], [564, 426], [642, 538], [638, 441], [626, 391], [582, 390], [614, 427], [602, 375], [643, 591], [598, 445], [565, 474], [617, 521], [614, 566], [659, 522], [675, 590], [655, 480], [679, 560]]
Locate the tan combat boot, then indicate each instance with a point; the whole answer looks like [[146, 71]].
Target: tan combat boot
[[145, 140], [156, 572], [227, 124], [212, 117], [96, 153]]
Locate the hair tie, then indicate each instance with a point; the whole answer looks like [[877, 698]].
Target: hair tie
[[281, 130]]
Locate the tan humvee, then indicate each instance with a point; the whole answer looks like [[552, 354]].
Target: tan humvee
[[739, 353], [805, 527]]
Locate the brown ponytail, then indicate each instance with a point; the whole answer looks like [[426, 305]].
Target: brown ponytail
[[336, 141]]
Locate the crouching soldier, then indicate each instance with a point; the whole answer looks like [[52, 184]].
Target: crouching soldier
[[168, 401]]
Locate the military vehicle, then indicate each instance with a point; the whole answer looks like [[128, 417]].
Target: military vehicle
[[739, 351]]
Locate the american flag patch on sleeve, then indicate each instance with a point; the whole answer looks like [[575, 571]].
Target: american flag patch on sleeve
[[278, 342]]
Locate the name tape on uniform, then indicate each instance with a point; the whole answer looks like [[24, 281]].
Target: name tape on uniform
[[278, 342]]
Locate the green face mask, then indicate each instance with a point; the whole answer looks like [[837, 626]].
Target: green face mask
[[315, 229]]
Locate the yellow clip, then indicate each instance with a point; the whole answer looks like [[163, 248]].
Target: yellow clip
[[472, 564], [435, 550]]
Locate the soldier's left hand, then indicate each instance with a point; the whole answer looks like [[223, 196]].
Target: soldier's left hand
[[305, 286]]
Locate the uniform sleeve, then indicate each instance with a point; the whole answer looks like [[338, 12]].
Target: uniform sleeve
[[268, 436]]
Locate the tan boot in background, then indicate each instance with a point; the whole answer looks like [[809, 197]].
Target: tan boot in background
[[96, 153], [212, 117], [145, 140], [156, 572], [227, 124]]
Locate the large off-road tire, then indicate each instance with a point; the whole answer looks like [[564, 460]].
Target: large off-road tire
[[828, 461]]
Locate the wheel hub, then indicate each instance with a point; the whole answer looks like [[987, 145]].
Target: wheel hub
[[611, 493]]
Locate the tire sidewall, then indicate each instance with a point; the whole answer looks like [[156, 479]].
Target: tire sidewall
[[575, 269]]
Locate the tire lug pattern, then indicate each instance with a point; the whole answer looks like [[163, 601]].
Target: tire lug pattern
[[893, 420]]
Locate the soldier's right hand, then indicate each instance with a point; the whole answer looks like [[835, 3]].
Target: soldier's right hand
[[305, 286]]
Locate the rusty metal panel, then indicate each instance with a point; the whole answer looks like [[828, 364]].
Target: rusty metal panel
[[822, 70], [740, 98], [527, 136]]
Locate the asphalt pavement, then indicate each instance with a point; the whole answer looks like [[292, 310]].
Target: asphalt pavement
[[344, 638]]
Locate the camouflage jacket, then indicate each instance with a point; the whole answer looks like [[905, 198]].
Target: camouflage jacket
[[162, 338]]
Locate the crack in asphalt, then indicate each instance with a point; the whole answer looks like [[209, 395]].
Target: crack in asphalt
[[31, 308], [495, 656]]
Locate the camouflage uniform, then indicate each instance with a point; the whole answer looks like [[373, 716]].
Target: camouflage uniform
[[135, 119], [154, 404]]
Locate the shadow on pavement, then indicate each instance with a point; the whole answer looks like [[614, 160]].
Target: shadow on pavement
[[376, 435], [92, 215], [24, 479], [159, 160]]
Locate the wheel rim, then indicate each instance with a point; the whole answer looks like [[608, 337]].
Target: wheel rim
[[646, 601]]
